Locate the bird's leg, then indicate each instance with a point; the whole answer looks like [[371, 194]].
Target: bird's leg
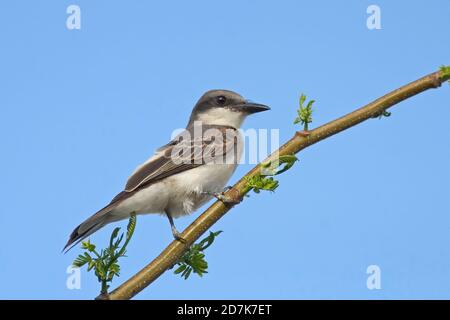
[[176, 234], [233, 197]]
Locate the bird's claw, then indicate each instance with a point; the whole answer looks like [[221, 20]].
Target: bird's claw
[[229, 196], [177, 235]]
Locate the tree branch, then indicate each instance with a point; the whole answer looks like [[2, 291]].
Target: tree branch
[[298, 142]]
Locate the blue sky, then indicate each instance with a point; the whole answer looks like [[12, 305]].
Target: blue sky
[[80, 109]]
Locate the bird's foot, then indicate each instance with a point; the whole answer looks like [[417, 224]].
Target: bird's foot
[[229, 196], [177, 235]]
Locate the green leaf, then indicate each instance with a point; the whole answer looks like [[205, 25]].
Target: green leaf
[[87, 245], [310, 103], [80, 261], [187, 273], [118, 241], [302, 99], [304, 113], [289, 161], [181, 268], [113, 236], [110, 276], [205, 243], [115, 268], [131, 226], [100, 269], [259, 182], [193, 260], [91, 265], [271, 168]]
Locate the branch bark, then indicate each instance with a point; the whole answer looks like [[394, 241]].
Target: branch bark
[[173, 252]]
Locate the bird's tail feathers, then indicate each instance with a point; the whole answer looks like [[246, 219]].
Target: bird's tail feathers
[[88, 227]]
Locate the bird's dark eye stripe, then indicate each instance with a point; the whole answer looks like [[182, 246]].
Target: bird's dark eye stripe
[[221, 100]]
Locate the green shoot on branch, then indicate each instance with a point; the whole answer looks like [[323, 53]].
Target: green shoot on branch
[[271, 168], [105, 263], [258, 183], [304, 113], [446, 71], [193, 260]]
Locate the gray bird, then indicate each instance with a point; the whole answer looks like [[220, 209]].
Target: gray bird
[[185, 173]]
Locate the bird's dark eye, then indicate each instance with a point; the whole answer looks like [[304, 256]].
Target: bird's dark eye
[[221, 100]]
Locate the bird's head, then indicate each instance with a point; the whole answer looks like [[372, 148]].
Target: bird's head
[[224, 107]]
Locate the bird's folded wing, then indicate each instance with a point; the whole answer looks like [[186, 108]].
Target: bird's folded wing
[[183, 154]]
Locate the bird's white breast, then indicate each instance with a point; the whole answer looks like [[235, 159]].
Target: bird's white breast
[[189, 187]]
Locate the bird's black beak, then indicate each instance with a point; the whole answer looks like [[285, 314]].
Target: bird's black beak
[[252, 107]]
